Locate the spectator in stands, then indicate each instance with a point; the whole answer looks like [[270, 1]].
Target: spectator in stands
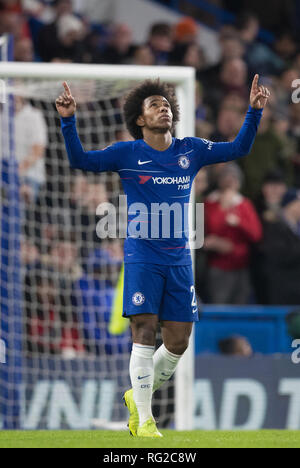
[[31, 141], [24, 50], [186, 50], [233, 79], [70, 33], [235, 102], [229, 121], [48, 331], [30, 265], [293, 323], [247, 26], [186, 31], [120, 48], [187, 55], [12, 19], [296, 62], [160, 41], [63, 266], [78, 189], [85, 196], [235, 346], [11, 23], [30, 256], [231, 47], [268, 204], [259, 57], [115, 249], [286, 47], [95, 195], [62, 258], [232, 225], [95, 303], [12, 5], [204, 124], [285, 88], [106, 261], [94, 10], [275, 14], [281, 126], [143, 56], [42, 315], [281, 253], [294, 133], [201, 184], [228, 124], [48, 41], [38, 9], [268, 152]]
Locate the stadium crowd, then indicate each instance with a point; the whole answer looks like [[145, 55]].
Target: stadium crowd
[[251, 252]]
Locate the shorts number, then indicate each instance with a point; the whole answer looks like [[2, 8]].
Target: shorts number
[[194, 301]]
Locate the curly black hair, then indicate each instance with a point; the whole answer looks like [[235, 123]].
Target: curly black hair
[[133, 106]]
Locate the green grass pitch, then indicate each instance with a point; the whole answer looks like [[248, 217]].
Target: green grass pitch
[[171, 439]]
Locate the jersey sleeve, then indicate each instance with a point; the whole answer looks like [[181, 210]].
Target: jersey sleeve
[[95, 161], [208, 152]]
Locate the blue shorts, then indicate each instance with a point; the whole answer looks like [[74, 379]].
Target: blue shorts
[[166, 291]]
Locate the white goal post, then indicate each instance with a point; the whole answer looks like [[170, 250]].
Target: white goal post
[[184, 80]]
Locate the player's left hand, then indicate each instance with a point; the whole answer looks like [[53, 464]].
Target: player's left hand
[[259, 95]]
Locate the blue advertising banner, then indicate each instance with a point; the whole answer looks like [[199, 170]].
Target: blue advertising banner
[[71, 394], [262, 392]]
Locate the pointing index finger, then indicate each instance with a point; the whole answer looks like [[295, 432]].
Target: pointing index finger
[[67, 89], [255, 82]]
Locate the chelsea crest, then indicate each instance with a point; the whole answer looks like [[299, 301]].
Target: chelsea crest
[[138, 298], [184, 162]]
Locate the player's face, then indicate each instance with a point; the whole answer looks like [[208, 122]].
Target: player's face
[[157, 114]]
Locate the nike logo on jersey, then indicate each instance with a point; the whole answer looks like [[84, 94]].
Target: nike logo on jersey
[[140, 163], [143, 377], [195, 310]]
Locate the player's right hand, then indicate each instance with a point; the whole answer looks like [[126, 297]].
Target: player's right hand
[[65, 103]]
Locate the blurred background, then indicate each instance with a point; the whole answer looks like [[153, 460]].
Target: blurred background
[[248, 273]]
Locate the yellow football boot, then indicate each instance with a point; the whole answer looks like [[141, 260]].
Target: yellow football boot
[[133, 422], [148, 429]]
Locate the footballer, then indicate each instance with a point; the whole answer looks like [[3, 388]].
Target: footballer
[[156, 168]]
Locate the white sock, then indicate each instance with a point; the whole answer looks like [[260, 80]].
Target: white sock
[[142, 374], [165, 364]]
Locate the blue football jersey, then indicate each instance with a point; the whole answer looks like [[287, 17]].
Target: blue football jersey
[[158, 185]]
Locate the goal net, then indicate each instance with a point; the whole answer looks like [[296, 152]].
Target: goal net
[[64, 346]]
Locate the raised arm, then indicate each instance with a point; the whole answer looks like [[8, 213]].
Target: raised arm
[[95, 161], [212, 153]]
